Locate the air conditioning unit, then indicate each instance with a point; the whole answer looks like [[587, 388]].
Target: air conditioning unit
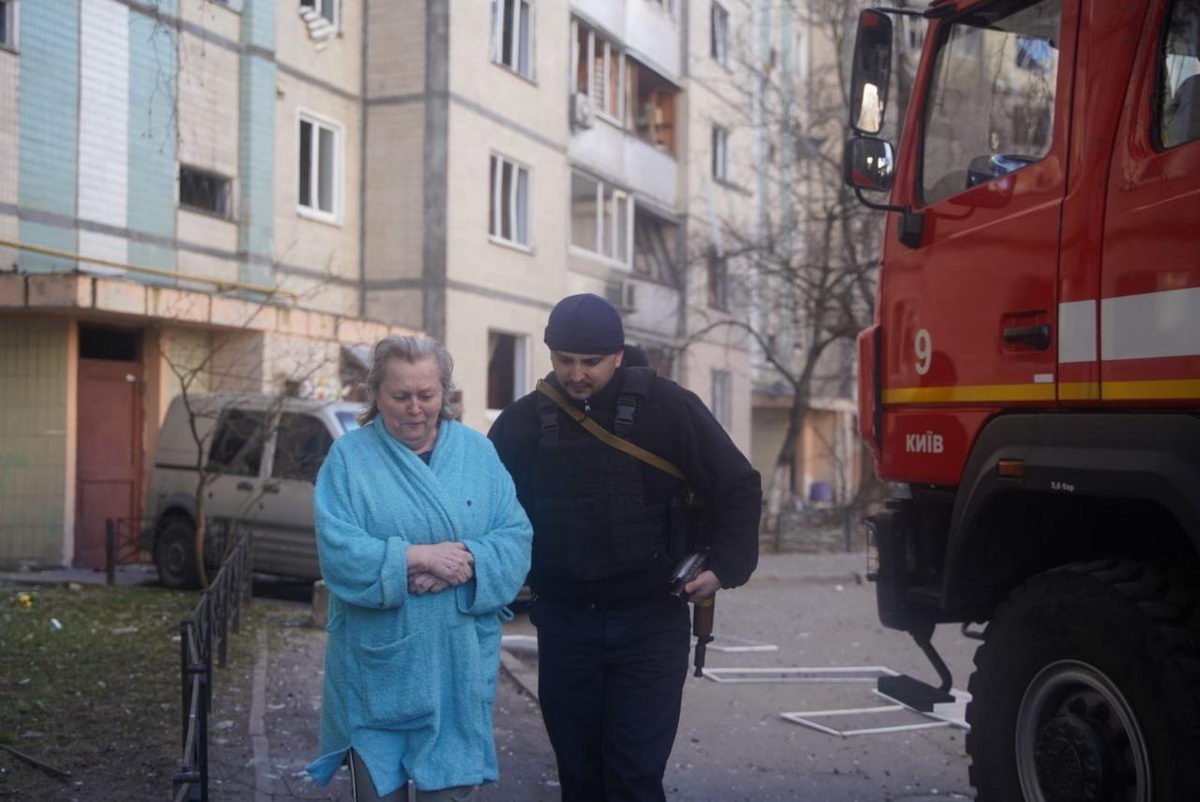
[[622, 294], [581, 110]]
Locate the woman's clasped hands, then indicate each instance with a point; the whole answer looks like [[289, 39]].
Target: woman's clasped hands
[[435, 567]]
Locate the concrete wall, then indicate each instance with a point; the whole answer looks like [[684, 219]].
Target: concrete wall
[[10, 80], [37, 453]]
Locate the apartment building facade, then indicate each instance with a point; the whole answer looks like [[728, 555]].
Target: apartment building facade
[[156, 234], [237, 193], [556, 147]]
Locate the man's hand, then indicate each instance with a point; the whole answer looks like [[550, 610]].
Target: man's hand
[[423, 582], [450, 562], [704, 585]]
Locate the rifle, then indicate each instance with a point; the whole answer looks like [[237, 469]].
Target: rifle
[[702, 611]]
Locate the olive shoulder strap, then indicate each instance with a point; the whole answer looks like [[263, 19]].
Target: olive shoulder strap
[[605, 436]]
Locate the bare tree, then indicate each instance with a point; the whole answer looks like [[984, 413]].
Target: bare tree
[[805, 262]]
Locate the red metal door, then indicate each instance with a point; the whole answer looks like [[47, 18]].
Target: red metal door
[[109, 452]]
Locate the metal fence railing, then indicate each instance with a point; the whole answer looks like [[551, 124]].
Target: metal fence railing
[[202, 634], [124, 544]]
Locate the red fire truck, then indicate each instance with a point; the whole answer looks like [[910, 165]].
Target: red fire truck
[[1031, 384]]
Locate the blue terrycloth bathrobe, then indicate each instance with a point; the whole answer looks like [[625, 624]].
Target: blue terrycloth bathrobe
[[410, 679]]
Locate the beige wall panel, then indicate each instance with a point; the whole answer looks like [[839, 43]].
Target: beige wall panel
[[34, 441], [536, 272], [213, 16], [396, 46], [334, 60], [321, 294], [395, 198], [206, 230], [208, 105], [313, 363], [301, 241], [539, 104], [402, 307]]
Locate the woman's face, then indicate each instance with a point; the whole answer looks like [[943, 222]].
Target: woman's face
[[409, 400]]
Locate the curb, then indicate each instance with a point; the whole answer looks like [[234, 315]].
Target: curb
[[520, 672]]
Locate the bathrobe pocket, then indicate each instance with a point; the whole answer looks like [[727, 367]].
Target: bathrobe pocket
[[394, 685]]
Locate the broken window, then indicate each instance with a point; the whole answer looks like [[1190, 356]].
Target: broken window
[[320, 167], [599, 72], [718, 280], [600, 217], [202, 190], [506, 369], [512, 35], [326, 8], [656, 247], [653, 100], [509, 215], [720, 34], [720, 153]]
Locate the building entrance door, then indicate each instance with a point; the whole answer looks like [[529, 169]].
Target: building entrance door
[[109, 454]]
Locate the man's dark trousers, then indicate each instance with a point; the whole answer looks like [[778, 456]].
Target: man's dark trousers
[[610, 681]]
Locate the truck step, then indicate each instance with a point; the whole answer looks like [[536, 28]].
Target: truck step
[[910, 692]]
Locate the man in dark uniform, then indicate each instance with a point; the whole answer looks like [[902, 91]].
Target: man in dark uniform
[[612, 642]]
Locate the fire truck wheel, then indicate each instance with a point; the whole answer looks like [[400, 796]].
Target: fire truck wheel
[[1091, 673], [175, 554]]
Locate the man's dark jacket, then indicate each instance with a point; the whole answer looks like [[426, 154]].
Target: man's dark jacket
[[672, 423]]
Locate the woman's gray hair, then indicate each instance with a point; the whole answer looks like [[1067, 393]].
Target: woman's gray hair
[[410, 348]]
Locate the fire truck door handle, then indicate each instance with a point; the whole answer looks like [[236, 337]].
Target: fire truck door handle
[[1034, 336]]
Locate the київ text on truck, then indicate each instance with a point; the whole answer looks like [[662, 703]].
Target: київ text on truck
[[1031, 385]]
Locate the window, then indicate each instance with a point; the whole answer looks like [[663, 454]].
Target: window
[[508, 219], [506, 369], [653, 98], [325, 8], [599, 73], [300, 447], [720, 397], [320, 168], [718, 280], [720, 147], [204, 191], [994, 80], [601, 217], [512, 35], [720, 34], [8, 23], [237, 446], [655, 246], [1179, 76]]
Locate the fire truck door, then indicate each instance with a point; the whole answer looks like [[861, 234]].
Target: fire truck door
[[970, 313]]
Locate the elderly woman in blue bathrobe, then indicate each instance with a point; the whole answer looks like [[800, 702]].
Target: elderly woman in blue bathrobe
[[422, 544]]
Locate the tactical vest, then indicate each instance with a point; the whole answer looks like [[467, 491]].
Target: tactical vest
[[589, 505]]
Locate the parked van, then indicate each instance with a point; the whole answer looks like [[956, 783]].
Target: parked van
[[260, 455]]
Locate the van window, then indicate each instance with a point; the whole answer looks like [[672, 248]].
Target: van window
[[1179, 76], [349, 421], [990, 106], [237, 446], [300, 447]]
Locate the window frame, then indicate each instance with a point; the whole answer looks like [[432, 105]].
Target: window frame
[[1159, 120], [496, 162], [257, 439], [717, 279], [227, 192], [319, 6], [621, 196], [497, 35], [11, 14], [611, 52], [721, 393], [720, 40], [283, 429], [720, 154], [337, 171], [520, 370]]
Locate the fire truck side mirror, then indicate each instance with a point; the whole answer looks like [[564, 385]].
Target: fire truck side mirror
[[870, 71], [868, 163]]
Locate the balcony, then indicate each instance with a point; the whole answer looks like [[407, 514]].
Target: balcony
[[628, 160]]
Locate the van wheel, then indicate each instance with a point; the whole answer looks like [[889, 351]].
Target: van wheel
[[175, 554], [1087, 689]]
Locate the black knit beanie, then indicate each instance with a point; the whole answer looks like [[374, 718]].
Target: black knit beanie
[[585, 324]]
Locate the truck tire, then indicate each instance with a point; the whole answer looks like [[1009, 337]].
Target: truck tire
[[175, 554], [1087, 689]]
